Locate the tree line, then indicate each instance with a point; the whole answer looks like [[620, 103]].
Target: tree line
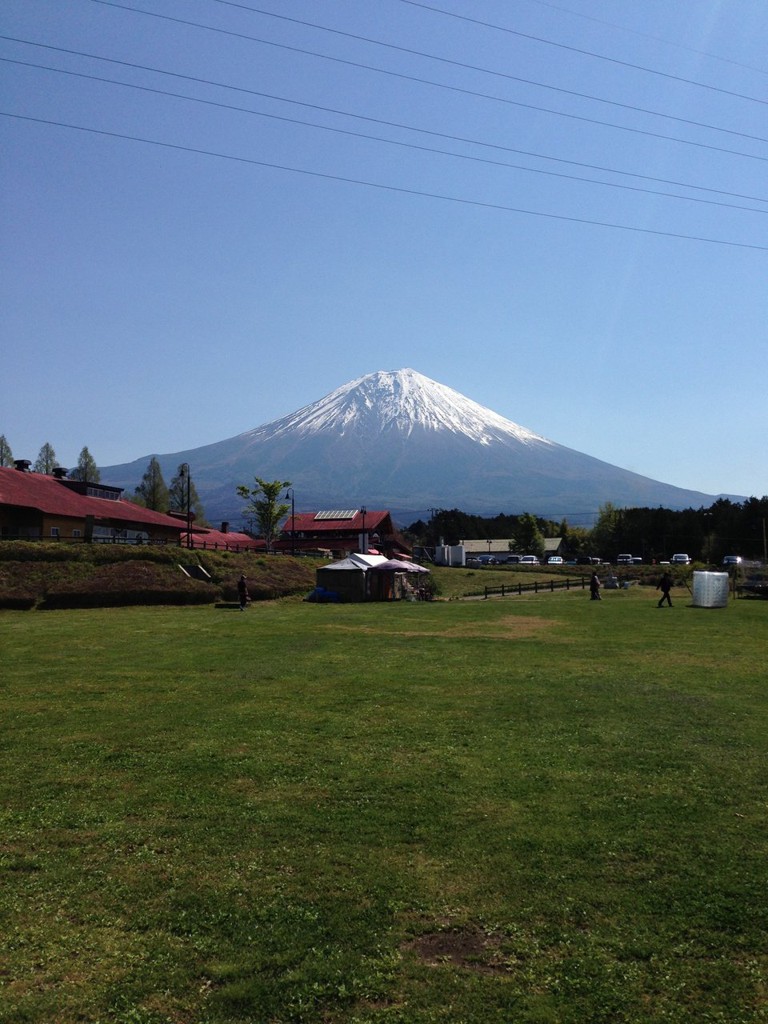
[[706, 534], [46, 462]]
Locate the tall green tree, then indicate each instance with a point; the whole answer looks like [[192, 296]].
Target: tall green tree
[[86, 468], [152, 492], [529, 537], [46, 460], [264, 505], [606, 535], [183, 488], [6, 455]]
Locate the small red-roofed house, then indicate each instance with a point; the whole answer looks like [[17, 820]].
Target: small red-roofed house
[[341, 531], [206, 539]]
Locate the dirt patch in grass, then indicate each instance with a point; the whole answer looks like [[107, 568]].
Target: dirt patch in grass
[[468, 947], [511, 627]]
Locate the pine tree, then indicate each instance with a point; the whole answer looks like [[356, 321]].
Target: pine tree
[[86, 469], [46, 460], [152, 491], [6, 455]]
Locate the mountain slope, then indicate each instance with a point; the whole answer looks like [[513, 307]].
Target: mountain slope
[[401, 441]]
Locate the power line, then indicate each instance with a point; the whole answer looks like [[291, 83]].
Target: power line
[[313, 106], [452, 88], [387, 188], [390, 142], [572, 49], [647, 35]]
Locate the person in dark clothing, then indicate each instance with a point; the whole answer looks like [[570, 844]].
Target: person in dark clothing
[[665, 585], [594, 587], [242, 592]]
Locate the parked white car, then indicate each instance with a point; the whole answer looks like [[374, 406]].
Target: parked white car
[[554, 560], [681, 559], [529, 560]]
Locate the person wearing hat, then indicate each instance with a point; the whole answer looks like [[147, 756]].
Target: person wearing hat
[[242, 590]]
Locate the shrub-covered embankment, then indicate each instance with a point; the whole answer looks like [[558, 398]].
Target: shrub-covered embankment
[[43, 575]]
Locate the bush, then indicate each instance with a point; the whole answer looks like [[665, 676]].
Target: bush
[[201, 594], [17, 600], [39, 551]]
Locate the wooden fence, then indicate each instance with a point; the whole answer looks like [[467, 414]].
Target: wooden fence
[[537, 587]]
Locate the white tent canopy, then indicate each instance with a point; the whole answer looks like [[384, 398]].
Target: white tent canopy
[[356, 561]]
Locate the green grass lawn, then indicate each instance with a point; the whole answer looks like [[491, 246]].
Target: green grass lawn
[[519, 811]]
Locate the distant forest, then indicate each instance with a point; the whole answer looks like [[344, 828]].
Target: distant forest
[[706, 534]]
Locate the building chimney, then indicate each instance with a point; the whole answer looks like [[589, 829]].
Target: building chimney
[[60, 472], [22, 465], [225, 527]]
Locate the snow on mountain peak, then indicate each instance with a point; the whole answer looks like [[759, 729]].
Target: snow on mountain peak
[[400, 401]]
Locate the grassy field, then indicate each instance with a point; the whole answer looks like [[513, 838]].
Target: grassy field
[[519, 811]]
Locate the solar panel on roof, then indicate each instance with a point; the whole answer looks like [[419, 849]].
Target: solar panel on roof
[[348, 513]]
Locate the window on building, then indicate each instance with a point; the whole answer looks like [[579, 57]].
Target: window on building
[[54, 531]]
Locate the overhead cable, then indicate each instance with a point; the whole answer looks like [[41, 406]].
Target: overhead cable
[[452, 88], [390, 142], [572, 49], [384, 187]]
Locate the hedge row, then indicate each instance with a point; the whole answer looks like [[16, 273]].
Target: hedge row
[[16, 601], [95, 554], [203, 594]]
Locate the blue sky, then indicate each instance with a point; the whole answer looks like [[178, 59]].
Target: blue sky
[[183, 271]]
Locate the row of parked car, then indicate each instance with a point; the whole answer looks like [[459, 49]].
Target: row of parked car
[[676, 559], [511, 560]]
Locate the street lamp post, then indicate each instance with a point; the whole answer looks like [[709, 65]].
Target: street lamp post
[[364, 544], [186, 474], [289, 494]]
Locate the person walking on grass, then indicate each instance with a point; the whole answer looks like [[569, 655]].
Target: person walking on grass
[[242, 592], [665, 585], [594, 587]]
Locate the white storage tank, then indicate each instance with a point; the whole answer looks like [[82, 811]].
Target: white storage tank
[[710, 589]]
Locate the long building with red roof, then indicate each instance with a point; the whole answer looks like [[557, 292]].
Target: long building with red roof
[[36, 506]]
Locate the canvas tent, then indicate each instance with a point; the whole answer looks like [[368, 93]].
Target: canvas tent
[[349, 577], [368, 578], [391, 580]]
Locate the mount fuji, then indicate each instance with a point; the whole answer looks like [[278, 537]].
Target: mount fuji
[[400, 441]]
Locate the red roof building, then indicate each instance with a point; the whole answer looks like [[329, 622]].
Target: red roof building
[[341, 531], [205, 539], [35, 506]]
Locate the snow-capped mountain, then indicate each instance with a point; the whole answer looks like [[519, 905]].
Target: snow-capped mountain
[[401, 441], [402, 401]]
